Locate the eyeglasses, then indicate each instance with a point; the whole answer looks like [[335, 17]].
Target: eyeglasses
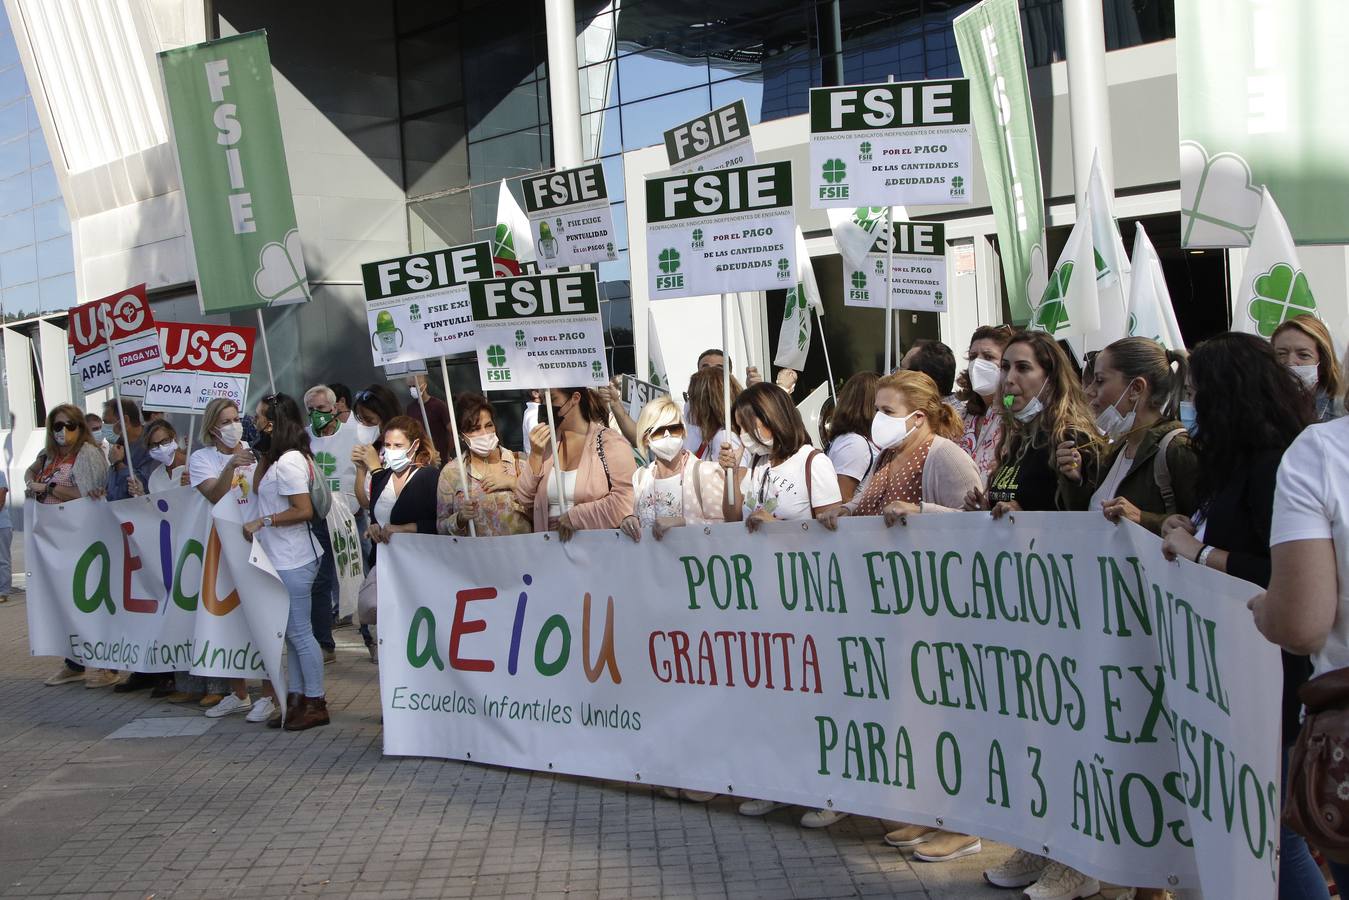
[[68, 426]]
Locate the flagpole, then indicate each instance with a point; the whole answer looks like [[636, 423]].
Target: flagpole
[[744, 335], [266, 351], [454, 433], [421, 401], [726, 388], [889, 298], [557, 457], [824, 345]]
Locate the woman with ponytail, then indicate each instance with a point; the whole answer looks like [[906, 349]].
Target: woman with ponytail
[[1151, 470]]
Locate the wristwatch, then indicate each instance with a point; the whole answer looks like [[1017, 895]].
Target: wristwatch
[[266, 521]]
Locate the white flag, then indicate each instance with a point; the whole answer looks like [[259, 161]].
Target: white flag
[[1150, 312], [856, 230], [1112, 265], [1069, 308], [1273, 287], [802, 298], [513, 244]]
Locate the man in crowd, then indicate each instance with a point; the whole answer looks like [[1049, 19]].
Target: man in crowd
[[122, 474], [935, 360], [331, 445], [95, 423], [343, 403], [437, 420]]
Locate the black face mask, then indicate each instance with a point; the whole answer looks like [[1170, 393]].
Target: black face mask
[[558, 414], [264, 441]]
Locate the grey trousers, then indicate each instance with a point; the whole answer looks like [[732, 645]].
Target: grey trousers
[[6, 574]]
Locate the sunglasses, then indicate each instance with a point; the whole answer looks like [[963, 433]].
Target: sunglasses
[[68, 426]]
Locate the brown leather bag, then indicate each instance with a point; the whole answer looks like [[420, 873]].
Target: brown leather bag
[[1317, 805]]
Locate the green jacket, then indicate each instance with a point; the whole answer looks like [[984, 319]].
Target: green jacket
[[1139, 485]]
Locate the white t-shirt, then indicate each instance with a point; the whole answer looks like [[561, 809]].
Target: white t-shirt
[[163, 478], [1109, 488], [1311, 502], [852, 455], [332, 455], [206, 464], [385, 502], [568, 481], [661, 498], [288, 546], [781, 489]]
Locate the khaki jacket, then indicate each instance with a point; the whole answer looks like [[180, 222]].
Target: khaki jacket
[[1139, 485]]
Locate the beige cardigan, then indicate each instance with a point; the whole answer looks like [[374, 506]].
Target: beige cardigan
[[600, 501]]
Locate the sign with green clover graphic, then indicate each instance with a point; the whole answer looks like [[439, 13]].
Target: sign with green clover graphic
[[917, 267], [417, 306], [568, 211], [720, 231], [1052, 313], [893, 143], [550, 322], [1280, 294]]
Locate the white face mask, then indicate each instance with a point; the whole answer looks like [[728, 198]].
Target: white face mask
[[1309, 375], [483, 444], [164, 453], [755, 446], [1111, 424], [396, 458], [985, 376], [668, 447], [890, 431], [60, 436], [366, 434], [230, 435], [414, 392], [1031, 409]]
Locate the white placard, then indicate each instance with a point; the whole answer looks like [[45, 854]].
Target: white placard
[[569, 215], [917, 274], [417, 306]]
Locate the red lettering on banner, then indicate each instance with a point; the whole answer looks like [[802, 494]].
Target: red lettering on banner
[[678, 666], [462, 626], [132, 563]]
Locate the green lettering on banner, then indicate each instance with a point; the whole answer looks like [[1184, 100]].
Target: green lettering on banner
[[550, 668], [102, 595], [191, 548], [421, 648], [753, 188], [997, 776]]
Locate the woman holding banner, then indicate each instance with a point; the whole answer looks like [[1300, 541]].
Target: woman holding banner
[[492, 470], [281, 483], [597, 465], [69, 466], [162, 441], [675, 488], [1249, 408], [403, 492], [978, 390], [787, 480], [1151, 469], [221, 467]]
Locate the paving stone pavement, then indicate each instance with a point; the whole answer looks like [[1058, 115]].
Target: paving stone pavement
[[243, 811]]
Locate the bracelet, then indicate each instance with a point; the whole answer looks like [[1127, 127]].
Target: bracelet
[[1201, 558]]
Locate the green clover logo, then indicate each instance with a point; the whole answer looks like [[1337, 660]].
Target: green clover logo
[[598, 368], [936, 295], [859, 280], [783, 265], [865, 148], [868, 217], [698, 235], [496, 356], [1052, 313], [957, 183], [834, 171], [415, 310], [326, 462], [669, 260], [520, 334], [1280, 294]]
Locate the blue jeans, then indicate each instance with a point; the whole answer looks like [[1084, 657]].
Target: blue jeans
[[323, 600], [1299, 876], [304, 660]]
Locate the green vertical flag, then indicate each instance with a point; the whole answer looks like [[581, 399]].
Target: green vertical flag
[[989, 39], [222, 106], [1262, 102]]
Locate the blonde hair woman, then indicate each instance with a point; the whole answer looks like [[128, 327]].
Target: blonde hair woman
[[1303, 344], [675, 488]]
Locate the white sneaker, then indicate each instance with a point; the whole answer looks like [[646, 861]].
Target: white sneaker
[[698, 796], [759, 807], [821, 818], [1062, 883], [1020, 869], [66, 675], [260, 711], [230, 704]]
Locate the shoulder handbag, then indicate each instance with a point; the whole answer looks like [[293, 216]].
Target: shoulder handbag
[[1317, 805], [1161, 470], [320, 495]]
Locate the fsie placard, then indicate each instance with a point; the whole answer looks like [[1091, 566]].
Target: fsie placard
[[917, 270], [569, 214], [417, 306]]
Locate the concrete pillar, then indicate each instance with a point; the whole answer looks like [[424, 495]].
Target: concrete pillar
[[563, 90]]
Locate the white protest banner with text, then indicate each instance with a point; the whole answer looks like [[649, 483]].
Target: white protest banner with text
[[1050, 682], [917, 272], [159, 583], [570, 218], [417, 306], [539, 331], [721, 232], [716, 140], [891, 144], [123, 320], [201, 362]]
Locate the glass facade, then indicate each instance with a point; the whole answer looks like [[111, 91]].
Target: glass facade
[[37, 262]]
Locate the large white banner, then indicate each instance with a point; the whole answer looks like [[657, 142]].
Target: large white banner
[[161, 583], [1050, 682]]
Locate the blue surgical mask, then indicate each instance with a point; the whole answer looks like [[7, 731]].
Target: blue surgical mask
[[1188, 417]]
